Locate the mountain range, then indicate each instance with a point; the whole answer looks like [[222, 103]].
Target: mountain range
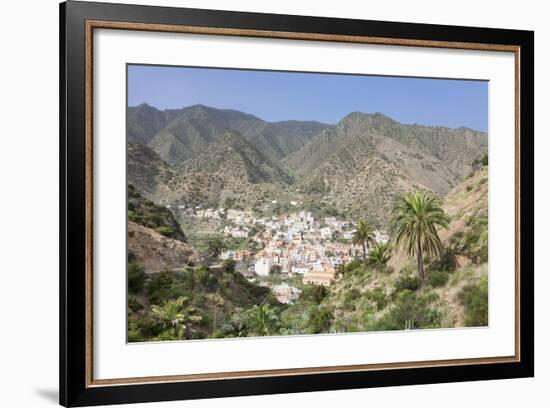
[[176, 135], [201, 155]]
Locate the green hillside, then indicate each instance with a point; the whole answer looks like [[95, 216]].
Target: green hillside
[[145, 212], [381, 293], [230, 170], [179, 134], [213, 303]]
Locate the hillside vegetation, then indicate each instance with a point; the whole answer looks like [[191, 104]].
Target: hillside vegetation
[[193, 303], [232, 169], [382, 292], [145, 212], [178, 134], [367, 160]]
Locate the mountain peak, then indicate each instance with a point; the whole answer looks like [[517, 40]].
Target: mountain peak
[[353, 116], [198, 107], [144, 107], [380, 115], [376, 117]]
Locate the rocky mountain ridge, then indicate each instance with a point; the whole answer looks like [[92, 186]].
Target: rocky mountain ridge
[[202, 155]]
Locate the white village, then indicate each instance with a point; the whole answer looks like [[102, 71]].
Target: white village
[[288, 246]]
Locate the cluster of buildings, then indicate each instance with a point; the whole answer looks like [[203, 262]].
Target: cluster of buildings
[[295, 244], [315, 261]]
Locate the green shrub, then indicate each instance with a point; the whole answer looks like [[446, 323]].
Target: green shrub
[[410, 311], [158, 289], [366, 316], [136, 277], [134, 304], [319, 319], [343, 326], [259, 292], [167, 335], [485, 159], [229, 266], [165, 230], [294, 318], [438, 278], [446, 261], [378, 297], [225, 330], [134, 332], [314, 293], [141, 328], [475, 298], [151, 215], [407, 282], [473, 242], [350, 297], [353, 266], [206, 279], [477, 246]]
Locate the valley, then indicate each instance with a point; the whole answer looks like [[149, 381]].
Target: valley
[[252, 228]]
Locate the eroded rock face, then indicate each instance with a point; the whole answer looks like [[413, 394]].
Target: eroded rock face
[[156, 252]]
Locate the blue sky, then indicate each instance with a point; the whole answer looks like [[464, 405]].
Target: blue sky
[[275, 96]]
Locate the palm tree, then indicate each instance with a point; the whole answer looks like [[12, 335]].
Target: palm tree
[[175, 314], [214, 247], [378, 256], [415, 218], [364, 236], [262, 320]]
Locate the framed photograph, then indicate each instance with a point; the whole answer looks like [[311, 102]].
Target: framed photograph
[[256, 204]]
